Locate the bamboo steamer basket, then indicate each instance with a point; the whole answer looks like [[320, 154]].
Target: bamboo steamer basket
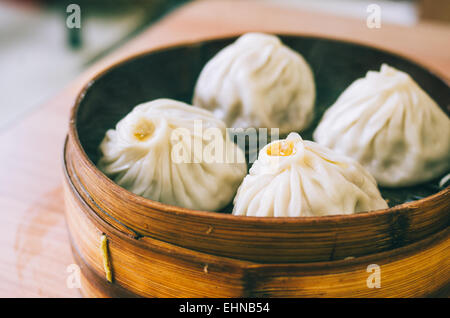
[[152, 249]]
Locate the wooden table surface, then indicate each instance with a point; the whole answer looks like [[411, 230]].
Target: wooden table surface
[[34, 247]]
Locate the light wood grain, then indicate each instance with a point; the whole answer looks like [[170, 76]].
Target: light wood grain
[[33, 241]]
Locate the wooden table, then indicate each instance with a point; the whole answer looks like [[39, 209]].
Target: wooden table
[[34, 245]]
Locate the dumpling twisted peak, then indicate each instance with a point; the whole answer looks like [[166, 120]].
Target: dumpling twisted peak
[[142, 154], [389, 124], [294, 177], [258, 82]]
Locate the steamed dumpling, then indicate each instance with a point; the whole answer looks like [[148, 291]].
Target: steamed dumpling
[[258, 82], [160, 151], [391, 126], [293, 177]]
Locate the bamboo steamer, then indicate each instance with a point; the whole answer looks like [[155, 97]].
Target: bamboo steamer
[[156, 250]]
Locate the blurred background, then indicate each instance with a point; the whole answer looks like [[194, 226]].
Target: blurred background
[[39, 54]]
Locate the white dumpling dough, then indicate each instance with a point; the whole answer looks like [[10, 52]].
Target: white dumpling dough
[[258, 82], [140, 155], [293, 177], [390, 125]]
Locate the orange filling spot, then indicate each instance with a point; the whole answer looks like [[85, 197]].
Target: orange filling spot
[[143, 130], [281, 148]]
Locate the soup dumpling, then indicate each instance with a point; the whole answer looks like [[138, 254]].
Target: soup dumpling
[[151, 152], [293, 177], [258, 82], [390, 125]]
